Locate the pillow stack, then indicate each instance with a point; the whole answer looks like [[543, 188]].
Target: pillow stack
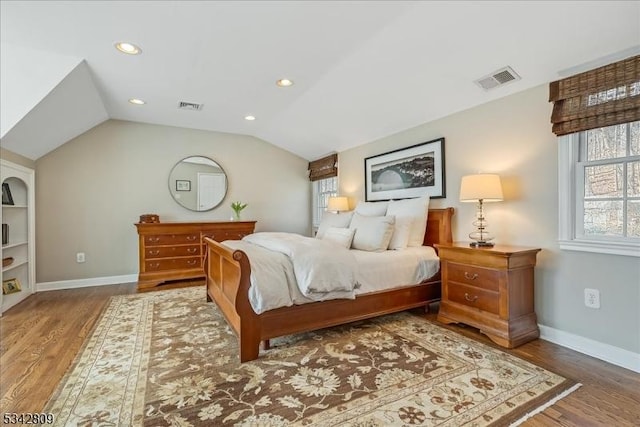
[[378, 226]]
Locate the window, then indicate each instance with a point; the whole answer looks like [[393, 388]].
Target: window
[[322, 190], [599, 181]]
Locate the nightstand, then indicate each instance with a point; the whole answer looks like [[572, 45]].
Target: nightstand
[[490, 289]]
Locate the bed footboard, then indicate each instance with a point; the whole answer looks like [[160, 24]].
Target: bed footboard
[[228, 275]]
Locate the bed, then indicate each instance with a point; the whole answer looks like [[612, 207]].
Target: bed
[[228, 279]]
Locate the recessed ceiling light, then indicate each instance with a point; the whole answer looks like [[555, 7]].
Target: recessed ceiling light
[[137, 101], [284, 82], [128, 48], [250, 118]]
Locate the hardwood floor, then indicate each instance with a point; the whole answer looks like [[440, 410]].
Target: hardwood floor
[[40, 337]]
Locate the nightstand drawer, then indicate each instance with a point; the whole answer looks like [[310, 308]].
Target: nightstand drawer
[[474, 276], [474, 297]]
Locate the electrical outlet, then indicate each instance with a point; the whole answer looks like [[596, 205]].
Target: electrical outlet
[[80, 257], [592, 298]]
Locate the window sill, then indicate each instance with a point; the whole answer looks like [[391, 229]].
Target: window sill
[[625, 249]]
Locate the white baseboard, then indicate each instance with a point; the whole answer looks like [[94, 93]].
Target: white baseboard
[[83, 283], [615, 355]]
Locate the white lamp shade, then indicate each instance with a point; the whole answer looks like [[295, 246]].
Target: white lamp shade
[[485, 187], [338, 204]]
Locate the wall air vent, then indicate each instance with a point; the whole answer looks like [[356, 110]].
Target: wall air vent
[[498, 78], [190, 106]]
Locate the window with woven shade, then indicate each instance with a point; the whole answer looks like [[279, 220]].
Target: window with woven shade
[[323, 168], [596, 115], [323, 174], [606, 96]]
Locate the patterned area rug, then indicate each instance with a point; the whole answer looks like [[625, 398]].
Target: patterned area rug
[[169, 358]]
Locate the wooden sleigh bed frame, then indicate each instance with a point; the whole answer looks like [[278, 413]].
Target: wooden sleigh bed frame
[[227, 279]]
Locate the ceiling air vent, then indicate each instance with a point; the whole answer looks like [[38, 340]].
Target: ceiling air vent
[[498, 78], [190, 106]]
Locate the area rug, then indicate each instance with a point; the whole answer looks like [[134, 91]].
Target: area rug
[[168, 358]]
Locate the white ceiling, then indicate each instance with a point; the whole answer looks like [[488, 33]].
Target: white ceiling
[[362, 69]]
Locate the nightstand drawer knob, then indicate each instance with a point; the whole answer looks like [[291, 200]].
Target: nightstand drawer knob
[[470, 298], [473, 276]]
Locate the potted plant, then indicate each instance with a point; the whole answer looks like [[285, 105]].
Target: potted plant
[[237, 208]]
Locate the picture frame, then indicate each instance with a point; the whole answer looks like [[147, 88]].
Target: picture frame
[[406, 173], [7, 199], [183, 185], [11, 286]]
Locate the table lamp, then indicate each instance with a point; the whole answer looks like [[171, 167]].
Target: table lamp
[[338, 204], [480, 188]]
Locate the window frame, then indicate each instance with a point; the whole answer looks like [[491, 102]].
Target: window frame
[[317, 209], [571, 197]]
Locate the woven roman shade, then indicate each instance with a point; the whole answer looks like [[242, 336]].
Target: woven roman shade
[[326, 167], [605, 96]]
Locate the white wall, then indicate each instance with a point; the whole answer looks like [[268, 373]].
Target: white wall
[[91, 191], [512, 137], [26, 77]]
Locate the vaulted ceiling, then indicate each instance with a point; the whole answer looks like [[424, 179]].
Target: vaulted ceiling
[[362, 69]]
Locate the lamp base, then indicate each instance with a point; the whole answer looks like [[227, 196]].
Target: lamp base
[[481, 244]]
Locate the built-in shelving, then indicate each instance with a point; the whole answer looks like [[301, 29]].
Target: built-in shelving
[[20, 219]]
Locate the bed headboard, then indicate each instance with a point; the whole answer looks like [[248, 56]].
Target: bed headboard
[[438, 227]]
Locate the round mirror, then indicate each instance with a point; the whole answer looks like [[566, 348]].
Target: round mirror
[[198, 183]]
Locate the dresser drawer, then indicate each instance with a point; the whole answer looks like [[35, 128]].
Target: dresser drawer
[[474, 297], [474, 276], [172, 251], [171, 239], [172, 264], [221, 236]]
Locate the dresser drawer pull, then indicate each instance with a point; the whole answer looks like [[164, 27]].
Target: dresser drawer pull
[[156, 252], [192, 238], [192, 262], [473, 276], [470, 298], [154, 265], [192, 250], [153, 239]]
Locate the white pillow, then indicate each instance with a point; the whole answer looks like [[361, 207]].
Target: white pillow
[[339, 236], [373, 233], [332, 219], [401, 233], [417, 209], [372, 208]]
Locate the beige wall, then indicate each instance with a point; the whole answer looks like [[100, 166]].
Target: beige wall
[[16, 158], [512, 137], [91, 191]]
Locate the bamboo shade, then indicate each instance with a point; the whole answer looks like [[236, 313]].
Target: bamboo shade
[[605, 96], [327, 167]]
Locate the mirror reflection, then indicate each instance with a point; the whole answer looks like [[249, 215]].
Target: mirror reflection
[[198, 183]]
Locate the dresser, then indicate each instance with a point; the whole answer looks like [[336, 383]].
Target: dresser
[[171, 251], [491, 289]]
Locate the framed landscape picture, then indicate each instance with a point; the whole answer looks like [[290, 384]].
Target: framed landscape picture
[[406, 173]]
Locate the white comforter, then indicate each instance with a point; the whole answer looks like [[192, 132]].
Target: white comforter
[[312, 269]]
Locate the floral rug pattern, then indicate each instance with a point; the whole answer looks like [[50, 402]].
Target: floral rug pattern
[[168, 358]]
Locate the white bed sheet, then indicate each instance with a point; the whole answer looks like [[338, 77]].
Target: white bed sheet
[[378, 271]]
